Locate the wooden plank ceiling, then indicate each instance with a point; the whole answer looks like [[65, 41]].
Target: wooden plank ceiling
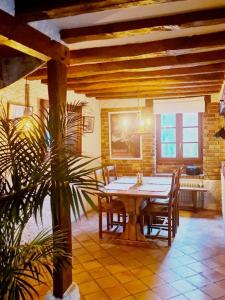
[[137, 49]]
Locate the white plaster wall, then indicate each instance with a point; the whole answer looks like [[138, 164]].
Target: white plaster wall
[[15, 93], [91, 142], [213, 196]]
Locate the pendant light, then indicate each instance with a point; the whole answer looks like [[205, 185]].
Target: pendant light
[[144, 122], [26, 122], [27, 99]]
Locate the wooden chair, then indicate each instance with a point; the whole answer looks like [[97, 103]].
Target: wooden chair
[[108, 206], [161, 214], [110, 173]]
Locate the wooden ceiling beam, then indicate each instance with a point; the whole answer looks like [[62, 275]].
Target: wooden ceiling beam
[[166, 62], [156, 90], [26, 39], [149, 49], [133, 88], [157, 83], [151, 94], [154, 81], [143, 26], [158, 96], [72, 76], [41, 9], [212, 69]]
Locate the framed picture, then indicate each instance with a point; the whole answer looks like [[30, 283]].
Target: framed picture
[[88, 124], [124, 140], [16, 111]]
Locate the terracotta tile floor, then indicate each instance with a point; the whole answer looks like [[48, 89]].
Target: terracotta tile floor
[[194, 267]]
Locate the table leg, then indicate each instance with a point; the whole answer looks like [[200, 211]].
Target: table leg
[[132, 235], [202, 199], [140, 236], [194, 201], [130, 232]]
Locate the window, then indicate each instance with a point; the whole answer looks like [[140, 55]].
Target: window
[[179, 137]]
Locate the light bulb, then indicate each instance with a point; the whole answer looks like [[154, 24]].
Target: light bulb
[[125, 123], [141, 122], [148, 122]]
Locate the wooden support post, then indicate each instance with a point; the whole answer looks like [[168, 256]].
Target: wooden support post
[[60, 213], [207, 99]]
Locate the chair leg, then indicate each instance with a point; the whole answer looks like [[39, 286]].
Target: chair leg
[[118, 217], [108, 221], [124, 222], [149, 223], [174, 222], [111, 220], [100, 225], [178, 215], [141, 222], [169, 230]]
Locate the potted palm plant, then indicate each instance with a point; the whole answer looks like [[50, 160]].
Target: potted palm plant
[[28, 174]]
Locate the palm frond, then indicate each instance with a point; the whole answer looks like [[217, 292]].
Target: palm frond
[[32, 167]]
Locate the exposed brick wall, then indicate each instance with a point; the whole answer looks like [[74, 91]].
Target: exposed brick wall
[[213, 148], [129, 167]]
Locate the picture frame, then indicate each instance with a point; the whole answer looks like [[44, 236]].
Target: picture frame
[[17, 111], [88, 124], [125, 143]]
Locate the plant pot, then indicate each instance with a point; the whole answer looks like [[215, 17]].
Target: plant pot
[[72, 293]]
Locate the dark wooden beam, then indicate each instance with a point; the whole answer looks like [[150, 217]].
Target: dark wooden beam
[[40, 9], [62, 276], [197, 79], [212, 69], [157, 90], [162, 74], [153, 85], [181, 44], [24, 38], [153, 95], [143, 26], [143, 88], [165, 62]]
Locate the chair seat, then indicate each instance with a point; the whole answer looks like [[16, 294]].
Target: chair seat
[[154, 209], [160, 201], [113, 206]]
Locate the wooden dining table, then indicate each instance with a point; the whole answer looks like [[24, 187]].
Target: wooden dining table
[[132, 195]]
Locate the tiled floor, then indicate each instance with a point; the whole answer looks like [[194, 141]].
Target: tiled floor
[[194, 267]]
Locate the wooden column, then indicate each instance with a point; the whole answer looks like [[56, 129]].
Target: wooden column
[[207, 99], [60, 212]]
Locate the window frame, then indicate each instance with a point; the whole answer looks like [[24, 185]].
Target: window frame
[[179, 142]]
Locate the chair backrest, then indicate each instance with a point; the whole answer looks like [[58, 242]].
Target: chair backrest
[[175, 185], [100, 177], [110, 173]]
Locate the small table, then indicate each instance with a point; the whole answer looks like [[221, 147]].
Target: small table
[[132, 199]]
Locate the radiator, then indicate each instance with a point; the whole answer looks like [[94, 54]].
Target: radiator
[[185, 197]]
